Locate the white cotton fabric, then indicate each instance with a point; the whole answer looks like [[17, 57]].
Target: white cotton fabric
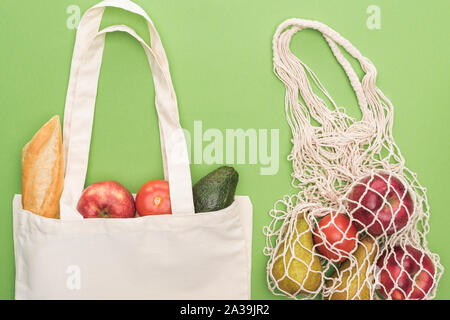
[[179, 256], [195, 256]]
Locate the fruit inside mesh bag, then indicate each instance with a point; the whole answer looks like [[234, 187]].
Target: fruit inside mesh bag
[[405, 273], [353, 280], [296, 267], [335, 236], [380, 204]]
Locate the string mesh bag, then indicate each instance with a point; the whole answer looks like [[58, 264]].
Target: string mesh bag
[[357, 227]]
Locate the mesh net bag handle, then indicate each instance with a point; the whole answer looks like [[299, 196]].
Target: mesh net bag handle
[[337, 166], [375, 107]]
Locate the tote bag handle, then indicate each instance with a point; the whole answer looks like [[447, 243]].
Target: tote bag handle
[[80, 104]]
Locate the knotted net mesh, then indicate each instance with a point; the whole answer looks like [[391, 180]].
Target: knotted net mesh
[[357, 227]]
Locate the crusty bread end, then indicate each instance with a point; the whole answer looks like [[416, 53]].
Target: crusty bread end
[[42, 171]]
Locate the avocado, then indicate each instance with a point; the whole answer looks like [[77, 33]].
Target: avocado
[[215, 191]]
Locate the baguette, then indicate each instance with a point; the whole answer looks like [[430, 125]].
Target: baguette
[[42, 171]]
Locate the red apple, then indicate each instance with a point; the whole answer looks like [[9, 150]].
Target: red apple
[[106, 199], [381, 203], [405, 274]]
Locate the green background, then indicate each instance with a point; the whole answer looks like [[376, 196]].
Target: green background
[[221, 62]]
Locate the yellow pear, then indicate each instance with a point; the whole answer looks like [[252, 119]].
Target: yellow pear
[[303, 268], [354, 284]]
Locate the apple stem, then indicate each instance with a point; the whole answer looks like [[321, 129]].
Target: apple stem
[[104, 214]]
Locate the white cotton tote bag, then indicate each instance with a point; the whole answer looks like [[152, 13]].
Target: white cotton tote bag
[[180, 256]]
